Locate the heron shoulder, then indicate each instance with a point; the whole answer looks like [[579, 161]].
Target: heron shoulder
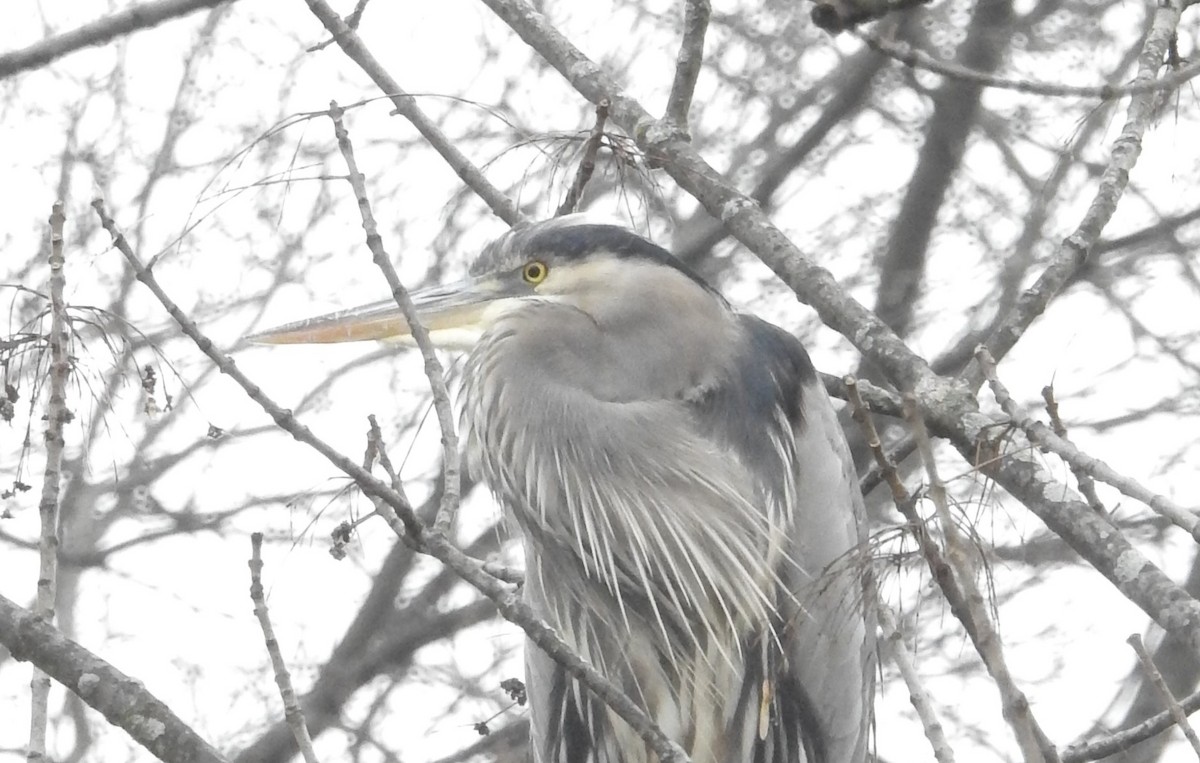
[[765, 376]]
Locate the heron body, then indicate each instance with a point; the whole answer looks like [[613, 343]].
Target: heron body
[[691, 519]]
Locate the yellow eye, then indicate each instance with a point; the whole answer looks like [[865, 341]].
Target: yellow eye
[[535, 272]]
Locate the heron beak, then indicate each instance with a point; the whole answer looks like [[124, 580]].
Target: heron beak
[[455, 316]]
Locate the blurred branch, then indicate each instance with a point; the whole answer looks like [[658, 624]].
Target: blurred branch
[[406, 106], [1043, 192], [836, 16], [57, 416], [847, 88], [956, 106], [291, 709], [99, 32], [124, 701], [918, 59]]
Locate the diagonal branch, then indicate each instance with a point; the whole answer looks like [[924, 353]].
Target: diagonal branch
[[124, 701], [406, 106], [99, 32], [1044, 437]]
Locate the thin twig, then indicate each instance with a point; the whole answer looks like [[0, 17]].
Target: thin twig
[[1124, 739], [1043, 437], [939, 569], [860, 412], [406, 106], [687, 63], [1164, 691], [880, 399], [1087, 485], [291, 708], [907, 505], [400, 516], [915, 58], [375, 451], [587, 164], [893, 640], [375, 435], [434, 372], [57, 416], [949, 578], [1034, 744]]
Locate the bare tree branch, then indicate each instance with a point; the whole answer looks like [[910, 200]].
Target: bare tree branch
[[99, 32], [124, 701], [919, 59], [893, 641], [687, 62], [1177, 712], [1045, 438], [406, 106], [1035, 745], [291, 709], [956, 106], [57, 416]]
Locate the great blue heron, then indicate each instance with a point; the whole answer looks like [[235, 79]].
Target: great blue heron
[[691, 519]]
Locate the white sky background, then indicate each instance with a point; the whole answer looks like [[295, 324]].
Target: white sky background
[[176, 615]]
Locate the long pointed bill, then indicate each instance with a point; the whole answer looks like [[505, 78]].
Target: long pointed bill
[[455, 316]]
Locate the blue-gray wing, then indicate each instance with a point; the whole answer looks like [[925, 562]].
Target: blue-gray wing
[[704, 550], [778, 418]]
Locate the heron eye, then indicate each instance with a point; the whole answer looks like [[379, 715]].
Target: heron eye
[[535, 272]]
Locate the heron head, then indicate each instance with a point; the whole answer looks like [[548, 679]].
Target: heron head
[[599, 269]]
